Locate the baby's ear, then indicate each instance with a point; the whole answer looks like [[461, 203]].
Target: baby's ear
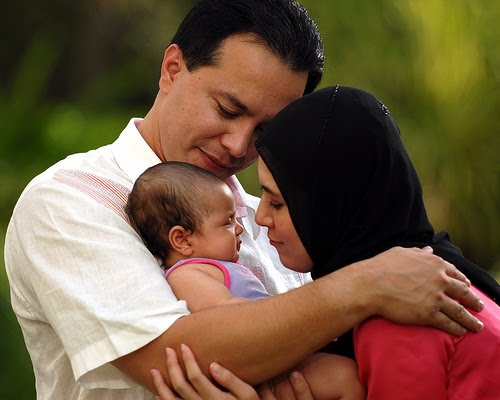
[[179, 238]]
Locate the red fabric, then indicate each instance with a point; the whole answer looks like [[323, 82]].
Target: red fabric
[[408, 362]]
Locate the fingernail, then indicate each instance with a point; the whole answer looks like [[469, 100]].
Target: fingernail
[[214, 367], [296, 377], [428, 249], [184, 348], [480, 324], [171, 354]]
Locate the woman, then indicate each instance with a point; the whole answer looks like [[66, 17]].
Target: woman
[[351, 190]]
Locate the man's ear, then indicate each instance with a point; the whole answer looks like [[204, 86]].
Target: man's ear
[[180, 240], [172, 64]]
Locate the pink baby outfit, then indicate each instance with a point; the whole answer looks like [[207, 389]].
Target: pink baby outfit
[[237, 278]]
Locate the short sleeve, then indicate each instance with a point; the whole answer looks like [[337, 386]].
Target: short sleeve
[[77, 266]]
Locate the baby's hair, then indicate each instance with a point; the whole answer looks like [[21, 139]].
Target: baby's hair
[[168, 194]]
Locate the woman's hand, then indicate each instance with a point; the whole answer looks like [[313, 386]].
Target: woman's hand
[[299, 389], [198, 387]]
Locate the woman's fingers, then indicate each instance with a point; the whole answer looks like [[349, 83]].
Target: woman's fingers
[[237, 389], [161, 387], [295, 387], [240, 389], [205, 388], [183, 388], [300, 387], [198, 387], [265, 391]]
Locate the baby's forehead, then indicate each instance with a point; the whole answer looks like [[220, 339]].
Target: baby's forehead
[[220, 195]]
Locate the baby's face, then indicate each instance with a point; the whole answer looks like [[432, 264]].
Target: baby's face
[[273, 213], [219, 235]]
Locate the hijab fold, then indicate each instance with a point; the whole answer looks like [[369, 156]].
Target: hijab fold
[[350, 186]]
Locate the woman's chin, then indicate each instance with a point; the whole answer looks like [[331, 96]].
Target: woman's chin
[[293, 265]]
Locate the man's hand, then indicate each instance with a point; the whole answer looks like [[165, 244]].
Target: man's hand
[[413, 286]]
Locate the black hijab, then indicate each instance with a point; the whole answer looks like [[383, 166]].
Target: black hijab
[[351, 189]]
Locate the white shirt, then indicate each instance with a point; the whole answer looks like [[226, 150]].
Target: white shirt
[[85, 289]]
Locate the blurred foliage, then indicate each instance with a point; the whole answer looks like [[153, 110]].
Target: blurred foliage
[[73, 73]]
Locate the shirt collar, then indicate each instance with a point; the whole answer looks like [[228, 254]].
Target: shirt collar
[[134, 156], [246, 206], [237, 189], [131, 151]]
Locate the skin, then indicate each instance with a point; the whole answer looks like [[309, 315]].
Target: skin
[[218, 236], [274, 215], [259, 340], [203, 286], [210, 116], [197, 386]]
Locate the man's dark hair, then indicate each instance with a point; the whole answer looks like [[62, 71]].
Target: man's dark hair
[[283, 25], [168, 194]]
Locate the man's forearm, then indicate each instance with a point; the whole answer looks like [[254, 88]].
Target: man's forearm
[[258, 340]]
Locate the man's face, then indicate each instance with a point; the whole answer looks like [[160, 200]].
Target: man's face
[[211, 116]]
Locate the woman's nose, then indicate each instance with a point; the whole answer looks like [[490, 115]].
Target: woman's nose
[[261, 217]]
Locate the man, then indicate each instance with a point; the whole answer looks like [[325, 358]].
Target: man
[[94, 308]]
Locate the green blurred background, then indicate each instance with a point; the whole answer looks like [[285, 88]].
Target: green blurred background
[[73, 72]]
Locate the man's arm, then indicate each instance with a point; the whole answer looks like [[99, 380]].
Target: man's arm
[[258, 340]]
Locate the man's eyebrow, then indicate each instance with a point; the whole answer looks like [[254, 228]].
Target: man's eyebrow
[[238, 103]]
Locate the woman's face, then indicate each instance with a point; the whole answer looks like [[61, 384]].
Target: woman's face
[[273, 214]]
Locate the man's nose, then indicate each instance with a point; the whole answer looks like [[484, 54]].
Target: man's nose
[[238, 140]]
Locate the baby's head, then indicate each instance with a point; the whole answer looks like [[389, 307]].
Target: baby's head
[[185, 197]]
